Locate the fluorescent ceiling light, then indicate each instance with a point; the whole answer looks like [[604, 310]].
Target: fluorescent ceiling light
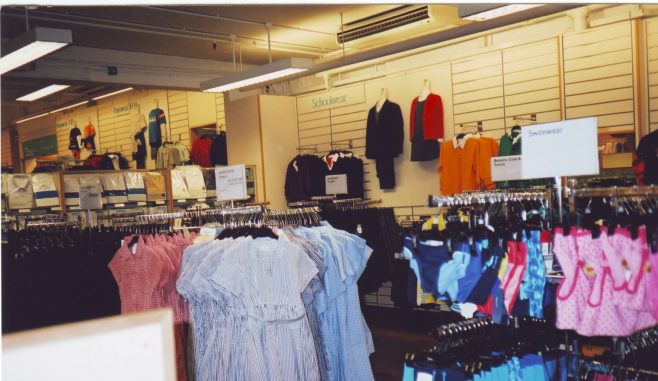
[[30, 118], [32, 45], [112, 93], [42, 93], [500, 11], [261, 74], [68, 107]]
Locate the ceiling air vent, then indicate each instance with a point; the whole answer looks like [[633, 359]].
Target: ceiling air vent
[[410, 19]]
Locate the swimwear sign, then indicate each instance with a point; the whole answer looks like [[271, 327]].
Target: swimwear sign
[[328, 100], [566, 148]]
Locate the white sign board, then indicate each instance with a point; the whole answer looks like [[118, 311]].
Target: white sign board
[[231, 183], [566, 148], [335, 184], [505, 168], [90, 197]]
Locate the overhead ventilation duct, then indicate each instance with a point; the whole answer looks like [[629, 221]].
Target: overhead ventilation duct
[[401, 22]]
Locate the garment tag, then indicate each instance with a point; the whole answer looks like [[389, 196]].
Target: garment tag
[[201, 199], [486, 218], [434, 243], [24, 210], [359, 229], [119, 205], [181, 201], [141, 203], [212, 232], [422, 376], [56, 208], [159, 202], [133, 249], [524, 215]]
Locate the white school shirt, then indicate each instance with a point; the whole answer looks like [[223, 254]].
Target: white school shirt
[[45, 192], [71, 190], [114, 188], [196, 187], [178, 185], [135, 186], [19, 192]]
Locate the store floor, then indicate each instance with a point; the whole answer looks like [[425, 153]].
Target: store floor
[[396, 333], [390, 348]]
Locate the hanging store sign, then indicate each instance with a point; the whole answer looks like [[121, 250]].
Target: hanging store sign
[[335, 184], [43, 146], [231, 183], [333, 99], [566, 148]]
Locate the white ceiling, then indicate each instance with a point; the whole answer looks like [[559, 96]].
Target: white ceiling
[[168, 46]]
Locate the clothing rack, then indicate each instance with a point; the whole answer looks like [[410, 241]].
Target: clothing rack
[[301, 204], [477, 127], [354, 203], [310, 150], [596, 366], [342, 145], [532, 119], [322, 198], [492, 196], [612, 192], [308, 216]]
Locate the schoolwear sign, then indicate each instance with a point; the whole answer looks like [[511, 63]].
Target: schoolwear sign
[[332, 99]]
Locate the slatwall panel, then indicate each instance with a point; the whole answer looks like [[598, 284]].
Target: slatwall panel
[[532, 82], [598, 76], [6, 148], [107, 134], [63, 141], [477, 92], [219, 104], [652, 67], [178, 122], [340, 126]]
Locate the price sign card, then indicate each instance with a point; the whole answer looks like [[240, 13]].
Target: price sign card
[[90, 197], [505, 168], [335, 184], [231, 183]]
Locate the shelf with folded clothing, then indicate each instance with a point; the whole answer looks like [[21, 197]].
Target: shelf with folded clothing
[[123, 189]]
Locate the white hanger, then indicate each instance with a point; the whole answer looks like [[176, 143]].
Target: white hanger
[[425, 91], [382, 99]]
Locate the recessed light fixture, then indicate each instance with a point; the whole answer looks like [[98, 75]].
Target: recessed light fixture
[[112, 93], [500, 11], [261, 74], [32, 45], [42, 93]]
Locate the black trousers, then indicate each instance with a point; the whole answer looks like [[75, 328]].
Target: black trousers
[[385, 172]]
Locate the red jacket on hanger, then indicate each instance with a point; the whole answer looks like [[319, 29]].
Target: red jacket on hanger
[[432, 118]]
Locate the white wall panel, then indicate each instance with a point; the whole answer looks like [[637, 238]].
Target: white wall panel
[[598, 76], [652, 69]]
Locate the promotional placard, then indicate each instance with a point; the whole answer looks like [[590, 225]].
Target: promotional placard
[[566, 148], [231, 183], [504, 168], [90, 197], [335, 184]]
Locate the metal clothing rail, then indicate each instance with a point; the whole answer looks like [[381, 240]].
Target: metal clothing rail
[[479, 197], [612, 192]]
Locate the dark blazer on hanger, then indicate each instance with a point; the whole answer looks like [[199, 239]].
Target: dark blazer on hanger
[[384, 132]]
